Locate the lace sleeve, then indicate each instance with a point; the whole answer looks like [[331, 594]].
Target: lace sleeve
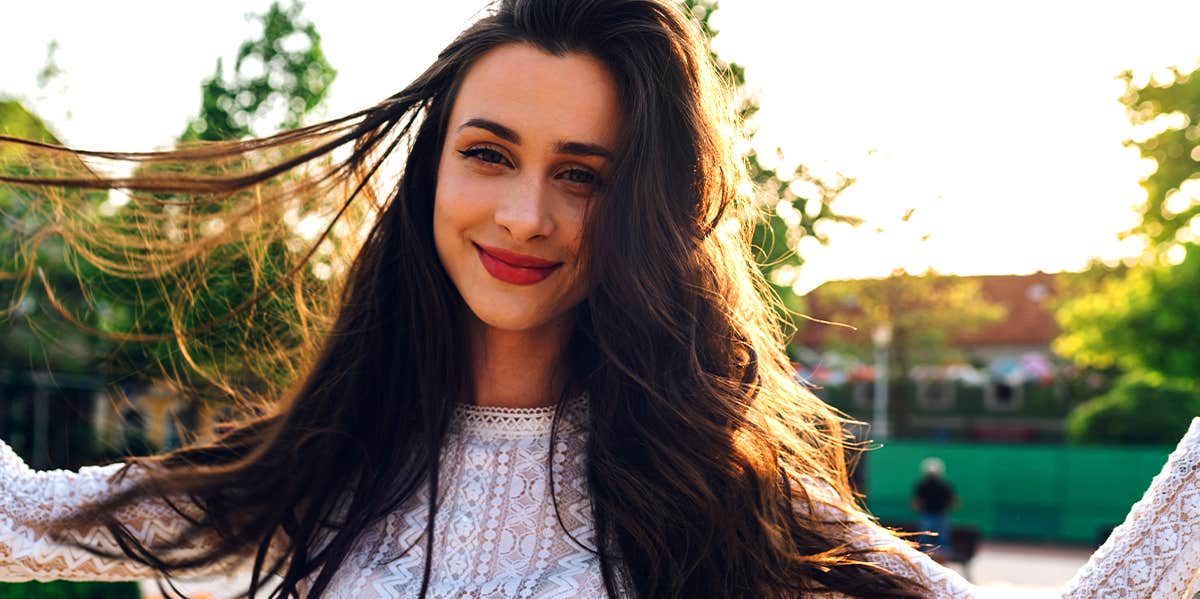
[[902, 559], [1156, 552], [891, 553], [29, 500]]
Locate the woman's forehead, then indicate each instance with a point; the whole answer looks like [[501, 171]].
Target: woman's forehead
[[543, 98]]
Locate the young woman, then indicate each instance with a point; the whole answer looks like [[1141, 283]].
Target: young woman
[[552, 372]]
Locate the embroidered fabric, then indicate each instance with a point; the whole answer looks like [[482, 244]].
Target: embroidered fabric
[[498, 532], [30, 500], [1156, 552], [505, 423], [895, 555]]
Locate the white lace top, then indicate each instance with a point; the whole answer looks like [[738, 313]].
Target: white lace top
[[497, 535]]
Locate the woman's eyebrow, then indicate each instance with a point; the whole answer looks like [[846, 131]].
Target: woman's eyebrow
[[575, 148], [496, 128], [582, 149]]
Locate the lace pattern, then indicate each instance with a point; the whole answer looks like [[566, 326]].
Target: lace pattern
[[1156, 552], [31, 500], [497, 532], [892, 553], [516, 423]]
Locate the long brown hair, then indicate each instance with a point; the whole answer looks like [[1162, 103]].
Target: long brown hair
[[702, 448]]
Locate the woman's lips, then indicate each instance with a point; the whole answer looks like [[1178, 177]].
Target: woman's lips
[[517, 269]]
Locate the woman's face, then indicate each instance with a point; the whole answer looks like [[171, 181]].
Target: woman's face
[[529, 144]]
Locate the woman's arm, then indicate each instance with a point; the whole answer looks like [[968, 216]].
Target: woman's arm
[[901, 558], [30, 500], [890, 552], [1156, 552]]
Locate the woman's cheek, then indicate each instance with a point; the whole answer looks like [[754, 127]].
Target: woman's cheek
[[460, 201]]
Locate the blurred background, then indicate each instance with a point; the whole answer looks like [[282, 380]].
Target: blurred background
[[1000, 200]]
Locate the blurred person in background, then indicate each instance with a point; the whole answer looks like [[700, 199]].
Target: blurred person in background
[[933, 498]]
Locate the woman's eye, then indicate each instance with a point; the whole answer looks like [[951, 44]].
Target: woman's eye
[[487, 155], [581, 177]]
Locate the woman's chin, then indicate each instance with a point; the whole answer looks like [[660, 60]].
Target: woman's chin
[[515, 318]]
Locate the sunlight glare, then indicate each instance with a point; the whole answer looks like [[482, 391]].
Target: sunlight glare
[[117, 197], [322, 271], [1176, 254], [785, 275], [1146, 167], [310, 227], [808, 246], [214, 226], [805, 189], [788, 213], [1182, 199], [1162, 77], [251, 68]]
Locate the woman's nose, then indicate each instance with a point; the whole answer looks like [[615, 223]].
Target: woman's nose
[[524, 211]]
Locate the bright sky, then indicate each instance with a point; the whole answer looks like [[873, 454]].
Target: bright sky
[[998, 122]]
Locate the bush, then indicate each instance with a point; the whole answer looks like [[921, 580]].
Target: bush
[[1141, 409], [70, 590]]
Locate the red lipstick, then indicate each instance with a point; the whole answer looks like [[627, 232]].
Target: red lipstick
[[514, 268]]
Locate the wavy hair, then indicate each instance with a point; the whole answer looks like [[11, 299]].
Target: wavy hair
[[703, 451]]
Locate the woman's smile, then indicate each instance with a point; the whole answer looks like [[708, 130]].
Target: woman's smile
[[514, 268]]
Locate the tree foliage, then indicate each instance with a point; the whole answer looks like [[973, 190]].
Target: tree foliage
[[924, 312], [289, 79], [1141, 409], [30, 341], [278, 80], [1145, 322], [1171, 110], [786, 215], [280, 77], [1148, 318]]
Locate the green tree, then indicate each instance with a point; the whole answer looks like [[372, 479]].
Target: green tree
[[31, 342], [1168, 113], [786, 216], [278, 80], [924, 313], [1143, 408], [1145, 322], [1146, 318], [280, 77]]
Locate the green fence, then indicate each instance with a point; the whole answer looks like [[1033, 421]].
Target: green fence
[[1035, 492], [70, 590]]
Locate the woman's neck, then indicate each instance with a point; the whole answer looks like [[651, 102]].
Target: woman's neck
[[519, 369]]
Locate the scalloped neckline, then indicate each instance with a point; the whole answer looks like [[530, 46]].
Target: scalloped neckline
[[503, 422]]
